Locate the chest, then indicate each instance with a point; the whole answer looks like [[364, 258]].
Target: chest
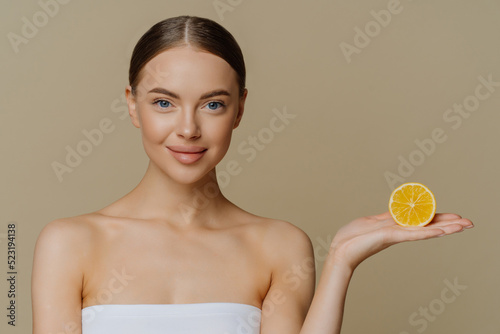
[[172, 269]]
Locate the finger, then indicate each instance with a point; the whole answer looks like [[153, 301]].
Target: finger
[[419, 234], [427, 232], [466, 223], [448, 229], [452, 228], [446, 216]]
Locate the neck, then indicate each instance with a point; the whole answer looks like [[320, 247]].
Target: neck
[[157, 196]]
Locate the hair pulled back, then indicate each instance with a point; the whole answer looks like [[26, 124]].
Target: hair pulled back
[[200, 33]]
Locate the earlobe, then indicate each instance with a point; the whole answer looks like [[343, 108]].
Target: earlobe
[[241, 108], [132, 110]]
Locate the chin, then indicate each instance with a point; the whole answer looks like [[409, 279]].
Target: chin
[[189, 177], [186, 174]]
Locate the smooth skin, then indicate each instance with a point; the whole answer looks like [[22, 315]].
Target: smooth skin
[[175, 239]]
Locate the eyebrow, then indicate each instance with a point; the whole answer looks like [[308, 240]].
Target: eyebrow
[[213, 93]]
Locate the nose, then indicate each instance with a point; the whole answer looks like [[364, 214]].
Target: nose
[[187, 126]]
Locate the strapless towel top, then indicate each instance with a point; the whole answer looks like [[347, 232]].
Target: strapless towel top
[[196, 318]]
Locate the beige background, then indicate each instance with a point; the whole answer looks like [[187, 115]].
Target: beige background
[[353, 120]]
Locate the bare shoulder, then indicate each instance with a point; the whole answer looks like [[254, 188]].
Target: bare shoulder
[[281, 240], [66, 236], [284, 233], [67, 228], [61, 254]]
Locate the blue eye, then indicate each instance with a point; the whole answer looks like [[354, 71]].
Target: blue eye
[[162, 103], [214, 105]]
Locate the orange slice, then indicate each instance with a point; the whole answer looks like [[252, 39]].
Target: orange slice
[[412, 204]]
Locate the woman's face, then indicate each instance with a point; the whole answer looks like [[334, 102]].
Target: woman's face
[[186, 105]]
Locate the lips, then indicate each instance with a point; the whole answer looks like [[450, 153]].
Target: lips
[[187, 154]]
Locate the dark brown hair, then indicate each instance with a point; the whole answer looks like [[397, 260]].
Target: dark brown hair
[[201, 33]]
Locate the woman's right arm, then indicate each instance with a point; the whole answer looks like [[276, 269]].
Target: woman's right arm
[[56, 281]]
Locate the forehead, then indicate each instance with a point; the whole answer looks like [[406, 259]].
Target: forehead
[[188, 72]]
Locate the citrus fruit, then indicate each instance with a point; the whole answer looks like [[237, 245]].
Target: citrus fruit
[[412, 204]]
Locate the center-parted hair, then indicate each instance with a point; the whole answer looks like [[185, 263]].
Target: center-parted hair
[[200, 33]]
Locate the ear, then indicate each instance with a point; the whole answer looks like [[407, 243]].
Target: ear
[[241, 108], [132, 110]]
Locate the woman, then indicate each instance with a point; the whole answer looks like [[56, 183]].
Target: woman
[[174, 255]]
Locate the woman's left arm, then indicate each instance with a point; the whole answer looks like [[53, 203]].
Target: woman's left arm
[[352, 244]]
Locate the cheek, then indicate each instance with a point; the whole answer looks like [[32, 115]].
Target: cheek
[[155, 129], [220, 134]]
